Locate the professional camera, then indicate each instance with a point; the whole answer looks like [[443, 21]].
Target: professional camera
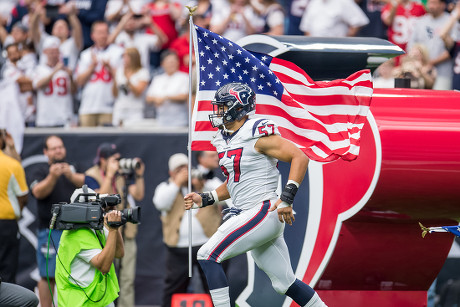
[[87, 210], [128, 166]]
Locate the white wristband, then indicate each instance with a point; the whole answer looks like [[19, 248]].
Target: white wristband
[[214, 195], [294, 182]]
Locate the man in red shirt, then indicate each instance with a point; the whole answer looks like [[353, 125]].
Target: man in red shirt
[[399, 16]]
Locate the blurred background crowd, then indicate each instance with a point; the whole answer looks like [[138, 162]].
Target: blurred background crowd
[[125, 62]]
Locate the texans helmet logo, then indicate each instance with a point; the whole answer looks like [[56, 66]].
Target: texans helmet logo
[[236, 95], [330, 194]]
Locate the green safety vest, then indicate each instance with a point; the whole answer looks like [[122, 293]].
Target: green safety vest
[[71, 295]]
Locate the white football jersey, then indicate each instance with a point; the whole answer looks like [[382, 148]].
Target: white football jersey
[[96, 95], [252, 177], [54, 102]]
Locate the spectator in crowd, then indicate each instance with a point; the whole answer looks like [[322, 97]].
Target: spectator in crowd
[[20, 14], [52, 183], [85, 274], [129, 87], [168, 199], [95, 72], [168, 92], [416, 66], [451, 38], [236, 21], [384, 75], [11, 117], [13, 72], [332, 18], [107, 177], [295, 13], [399, 16], [88, 12], [373, 10], [116, 9], [181, 45], [5, 10], [426, 32], [55, 87], [272, 14], [13, 295], [13, 198], [18, 35], [129, 33], [164, 14], [71, 38]]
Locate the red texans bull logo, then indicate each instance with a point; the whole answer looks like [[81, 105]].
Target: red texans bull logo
[[236, 95], [332, 193]]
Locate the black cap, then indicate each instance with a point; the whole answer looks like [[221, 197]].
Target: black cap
[[105, 150]]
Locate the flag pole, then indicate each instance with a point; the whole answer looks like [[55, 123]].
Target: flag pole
[[189, 149]]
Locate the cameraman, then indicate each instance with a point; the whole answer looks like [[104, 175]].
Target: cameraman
[[106, 176], [51, 183], [85, 274]]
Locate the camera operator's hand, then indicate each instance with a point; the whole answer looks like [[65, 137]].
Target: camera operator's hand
[[141, 169], [66, 170], [112, 216], [112, 167], [180, 176], [56, 170]]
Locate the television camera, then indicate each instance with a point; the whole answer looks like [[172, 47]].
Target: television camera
[[87, 210]]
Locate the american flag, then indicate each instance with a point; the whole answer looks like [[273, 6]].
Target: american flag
[[452, 229], [324, 119]]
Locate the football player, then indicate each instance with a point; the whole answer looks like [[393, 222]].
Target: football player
[[249, 150]]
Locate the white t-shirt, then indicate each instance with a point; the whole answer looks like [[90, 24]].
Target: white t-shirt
[[128, 106], [144, 42], [170, 114], [81, 269], [332, 18], [96, 95], [54, 103]]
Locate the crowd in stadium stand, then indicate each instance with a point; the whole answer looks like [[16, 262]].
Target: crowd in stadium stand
[[122, 62]]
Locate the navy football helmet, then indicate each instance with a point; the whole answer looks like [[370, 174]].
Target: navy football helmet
[[239, 99]]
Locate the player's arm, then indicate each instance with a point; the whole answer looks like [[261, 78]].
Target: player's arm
[[277, 147], [207, 198]]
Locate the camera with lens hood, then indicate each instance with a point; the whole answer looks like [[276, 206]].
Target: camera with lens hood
[[87, 210]]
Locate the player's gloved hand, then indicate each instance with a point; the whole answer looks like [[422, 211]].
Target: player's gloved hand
[[285, 213], [192, 201]]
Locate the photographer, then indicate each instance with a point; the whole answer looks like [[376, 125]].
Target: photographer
[[51, 183], [85, 274], [107, 176]]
